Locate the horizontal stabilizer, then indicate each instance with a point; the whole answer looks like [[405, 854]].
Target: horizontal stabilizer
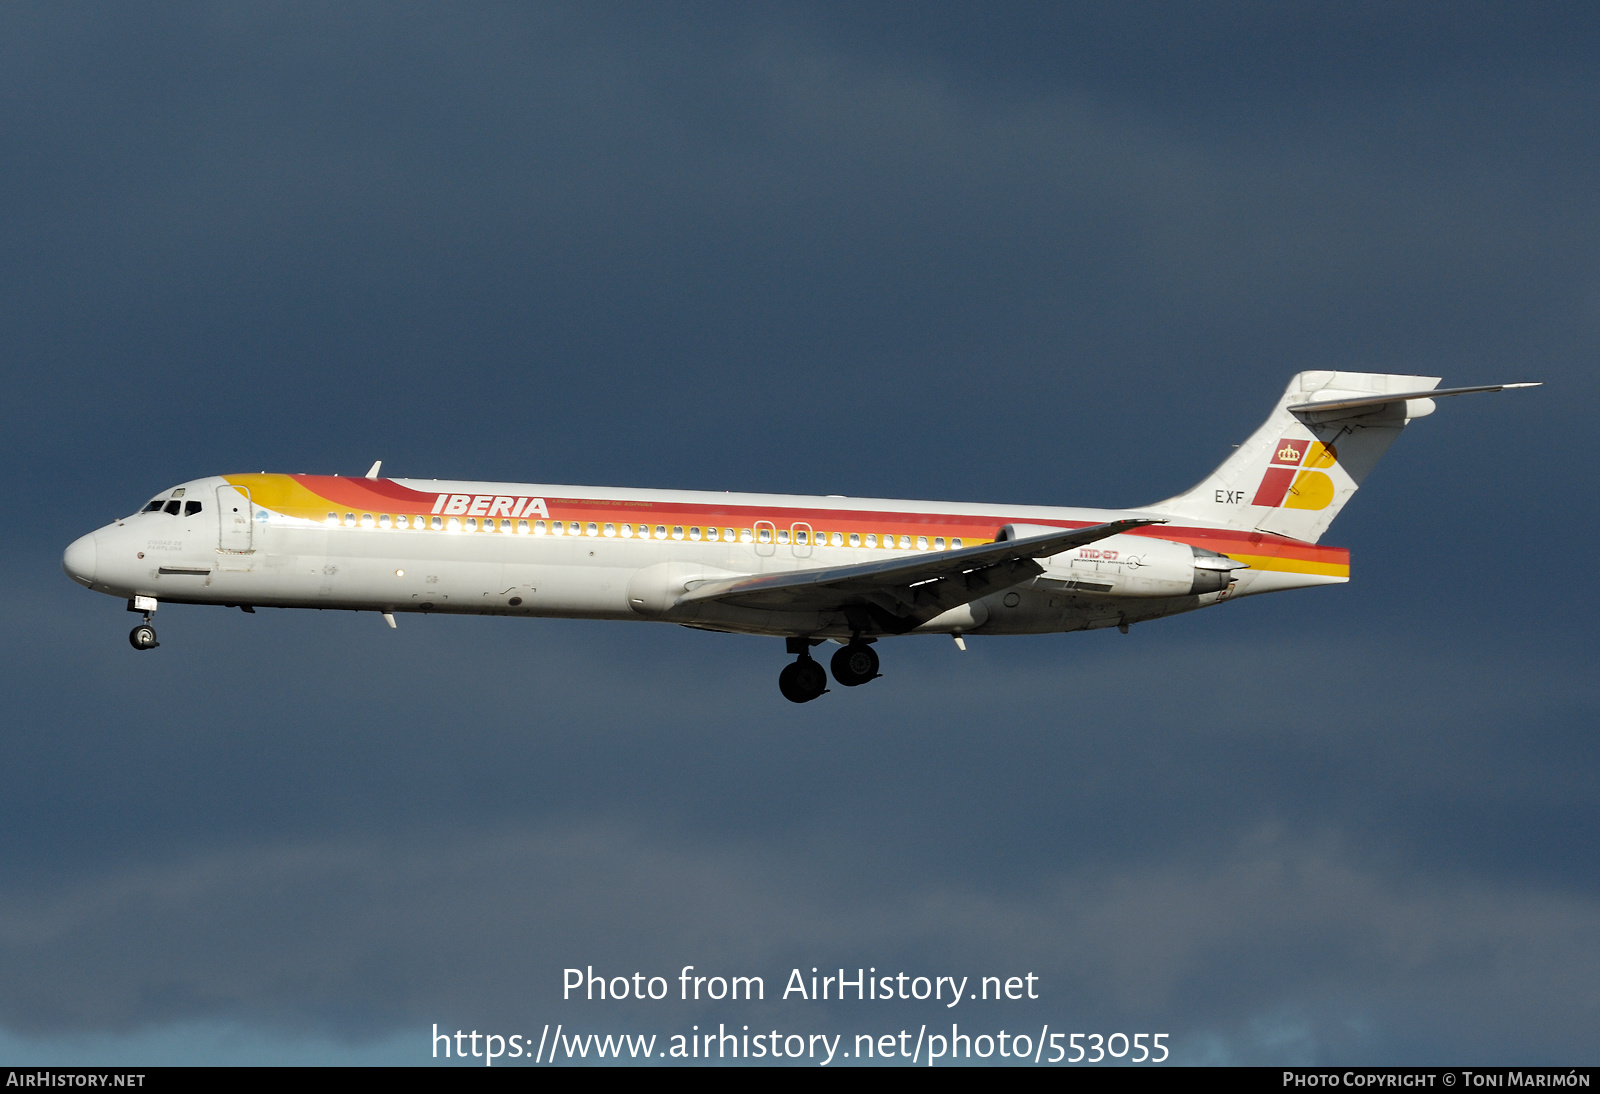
[[1325, 410]]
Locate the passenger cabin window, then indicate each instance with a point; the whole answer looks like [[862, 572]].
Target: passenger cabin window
[[190, 508], [800, 537], [872, 539], [172, 507]]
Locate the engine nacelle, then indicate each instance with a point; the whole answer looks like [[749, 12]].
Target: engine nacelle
[[1124, 565]]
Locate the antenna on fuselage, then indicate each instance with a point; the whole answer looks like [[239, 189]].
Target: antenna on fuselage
[[372, 472]]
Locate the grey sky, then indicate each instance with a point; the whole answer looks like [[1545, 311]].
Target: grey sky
[[1013, 256]]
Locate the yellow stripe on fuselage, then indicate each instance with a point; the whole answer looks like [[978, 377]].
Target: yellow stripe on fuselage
[[1293, 565]]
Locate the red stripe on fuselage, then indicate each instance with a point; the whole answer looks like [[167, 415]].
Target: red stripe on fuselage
[[385, 494]]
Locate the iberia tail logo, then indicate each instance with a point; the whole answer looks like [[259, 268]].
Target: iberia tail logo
[[1289, 480]]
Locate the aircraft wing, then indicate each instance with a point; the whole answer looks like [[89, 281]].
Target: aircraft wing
[[900, 594]]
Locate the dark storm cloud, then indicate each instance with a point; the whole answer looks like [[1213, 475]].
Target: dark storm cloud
[[348, 215], [1038, 258]]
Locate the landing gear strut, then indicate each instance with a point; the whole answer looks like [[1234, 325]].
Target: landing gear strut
[[855, 664], [802, 680], [143, 637]]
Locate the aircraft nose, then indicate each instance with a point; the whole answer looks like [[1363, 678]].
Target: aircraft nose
[[79, 560]]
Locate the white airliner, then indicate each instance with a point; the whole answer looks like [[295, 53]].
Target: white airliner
[[806, 569]]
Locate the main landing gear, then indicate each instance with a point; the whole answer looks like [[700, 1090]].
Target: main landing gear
[[803, 680], [855, 664]]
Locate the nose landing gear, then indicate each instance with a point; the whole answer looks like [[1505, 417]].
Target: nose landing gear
[[143, 637]]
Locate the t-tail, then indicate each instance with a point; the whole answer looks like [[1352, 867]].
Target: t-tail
[[1312, 454]]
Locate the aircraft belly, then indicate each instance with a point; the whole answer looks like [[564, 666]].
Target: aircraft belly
[[1034, 610]]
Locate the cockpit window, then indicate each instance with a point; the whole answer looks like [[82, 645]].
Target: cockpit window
[[155, 506], [172, 507], [190, 508]]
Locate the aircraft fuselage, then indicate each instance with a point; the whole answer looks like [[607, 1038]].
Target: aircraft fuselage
[[402, 545]]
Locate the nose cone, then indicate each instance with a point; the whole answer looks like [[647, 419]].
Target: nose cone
[[79, 559]]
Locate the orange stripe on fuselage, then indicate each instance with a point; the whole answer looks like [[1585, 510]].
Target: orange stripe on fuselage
[[314, 496]]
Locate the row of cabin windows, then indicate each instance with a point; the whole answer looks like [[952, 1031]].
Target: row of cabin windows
[[764, 533], [190, 508]]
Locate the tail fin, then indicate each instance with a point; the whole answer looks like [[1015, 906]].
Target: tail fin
[[1297, 471]]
